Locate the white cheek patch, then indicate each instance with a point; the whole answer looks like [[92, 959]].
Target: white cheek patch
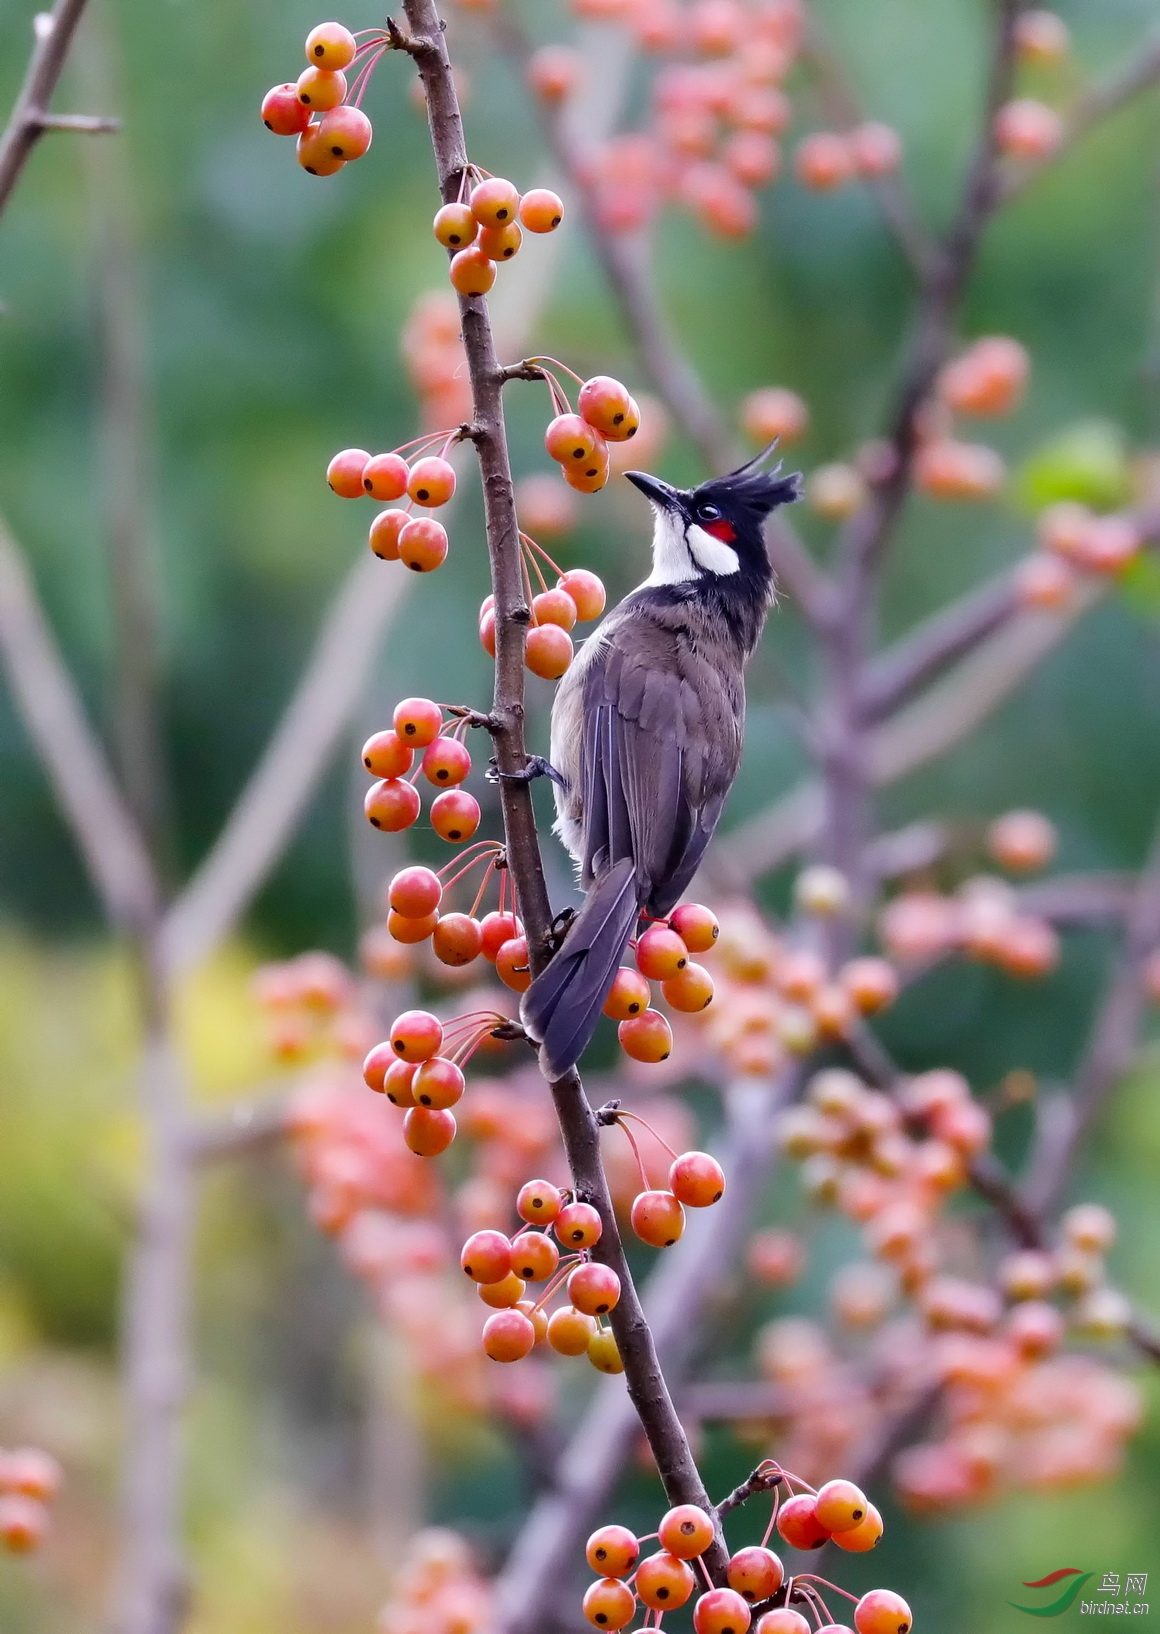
[[714, 555], [672, 562]]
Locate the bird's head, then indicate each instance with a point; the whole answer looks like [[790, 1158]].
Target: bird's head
[[716, 532]]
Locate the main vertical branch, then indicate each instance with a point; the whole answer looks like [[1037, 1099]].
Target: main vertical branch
[[643, 1376]]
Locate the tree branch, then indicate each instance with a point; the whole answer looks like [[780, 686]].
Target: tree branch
[[30, 117], [643, 1376]]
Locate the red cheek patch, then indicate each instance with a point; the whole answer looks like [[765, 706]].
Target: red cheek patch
[[725, 531]]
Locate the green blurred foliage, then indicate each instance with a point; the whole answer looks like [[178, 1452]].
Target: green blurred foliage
[[273, 304]]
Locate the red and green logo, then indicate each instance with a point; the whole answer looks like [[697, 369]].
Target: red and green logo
[[1056, 1607]]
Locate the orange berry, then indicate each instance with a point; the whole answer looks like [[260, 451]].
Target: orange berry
[[496, 929], [1045, 583], [385, 476], [613, 1551], [386, 755], [31, 1472], [455, 227], [647, 1037], [586, 591], [282, 112], [535, 1257], [487, 632], [539, 1202], [411, 931], [554, 607], [346, 132], [578, 1226], [548, 651], [589, 479], [384, 534], [609, 1604], [418, 721], [657, 1217], [455, 816], [313, 155], [753, 157], [415, 892], [508, 1336], [1022, 841], [1027, 129], [423, 544], [570, 1331], [345, 473], [391, 805], [717, 27], [696, 926], [823, 161], [607, 406], [541, 210], [416, 1036], [660, 953], [882, 1612], [840, 1506], [554, 72], [871, 983], [721, 1611], [511, 964], [690, 990], [697, 1180], [321, 89], [438, 1083], [594, 1289], [432, 481], [863, 1537], [486, 1256], [947, 469], [330, 46], [494, 202], [397, 1081], [374, 1071], [630, 995], [798, 1523], [457, 940], [428, 1133], [876, 149], [685, 1531], [571, 441], [471, 272], [446, 763], [773, 412], [783, 1620], [604, 1353], [663, 1582], [755, 1573], [500, 243], [504, 1294], [23, 1523]]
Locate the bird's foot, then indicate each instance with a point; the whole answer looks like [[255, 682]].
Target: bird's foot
[[559, 928], [536, 766]]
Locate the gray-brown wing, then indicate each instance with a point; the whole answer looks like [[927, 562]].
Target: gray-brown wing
[[662, 743]]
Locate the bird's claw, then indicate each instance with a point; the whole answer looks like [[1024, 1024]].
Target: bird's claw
[[559, 928], [535, 766]]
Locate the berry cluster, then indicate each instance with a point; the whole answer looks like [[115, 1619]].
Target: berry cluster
[[343, 132], [1075, 542], [757, 1584], [410, 1070], [397, 535], [606, 412], [486, 224], [392, 803], [576, 598], [438, 1589], [432, 348], [312, 1007], [29, 1481], [661, 954]]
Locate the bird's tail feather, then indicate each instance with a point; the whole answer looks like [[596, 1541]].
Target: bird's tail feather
[[562, 1006]]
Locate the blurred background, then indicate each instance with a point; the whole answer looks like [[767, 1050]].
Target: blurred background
[[261, 311]]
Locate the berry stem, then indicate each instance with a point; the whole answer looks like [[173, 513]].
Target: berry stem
[[640, 1169], [543, 554], [645, 1124]]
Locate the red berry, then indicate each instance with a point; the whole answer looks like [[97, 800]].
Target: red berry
[[432, 481], [345, 473], [606, 405], [428, 1133], [755, 1573], [504, 1294], [418, 721], [377, 1064], [548, 651], [541, 210], [721, 1611], [446, 763], [330, 46], [571, 441], [486, 1256], [321, 89], [386, 755], [438, 1083], [487, 632], [646, 1038], [861, 1538], [840, 1506], [23, 1523], [697, 1180], [455, 227], [455, 816], [660, 953], [554, 607], [508, 1336], [496, 929], [391, 805], [313, 154], [397, 1083], [696, 926], [657, 1217], [384, 534], [613, 1551], [500, 243], [347, 133], [539, 1202], [416, 1035], [31, 1472], [664, 1582], [578, 1226], [824, 161], [283, 113], [594, 1289], [511, 965], [494, 202], [798, 1523], [782, 1620], [385, 476], [609, 1604], [415, 892], [535, 1257], [472, 272], [423, 544], [685, 1531], [457, 939], [882, 1612], [690, 990], [586, 591], [630, 995]]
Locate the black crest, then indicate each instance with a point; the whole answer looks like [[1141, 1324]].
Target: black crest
[[752, 490]]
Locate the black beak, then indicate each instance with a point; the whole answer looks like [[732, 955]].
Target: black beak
[[658, 492]]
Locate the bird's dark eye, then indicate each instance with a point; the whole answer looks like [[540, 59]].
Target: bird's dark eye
[[708, 513]]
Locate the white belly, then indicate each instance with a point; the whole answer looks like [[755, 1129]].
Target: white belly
[[566, 743]]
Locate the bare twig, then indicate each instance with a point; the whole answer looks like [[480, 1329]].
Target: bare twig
[[30, 117], [86, 791], [645, 1381]]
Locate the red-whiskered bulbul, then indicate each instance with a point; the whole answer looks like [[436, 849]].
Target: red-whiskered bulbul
[[647, 730]]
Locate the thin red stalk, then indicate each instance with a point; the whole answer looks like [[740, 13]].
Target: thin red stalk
[[628, 1134], [645, 1124], [542, 553]]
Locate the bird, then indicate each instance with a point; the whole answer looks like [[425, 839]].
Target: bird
[[647, 731]]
